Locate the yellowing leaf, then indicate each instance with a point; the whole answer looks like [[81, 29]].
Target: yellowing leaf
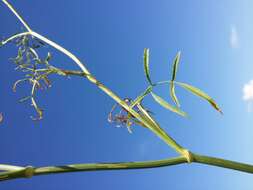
[[201, 94], [166, 105]]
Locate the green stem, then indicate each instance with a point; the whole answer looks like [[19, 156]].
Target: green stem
[[196, 158], [148, 122], [157, 130], [219, 162], [12, 172]]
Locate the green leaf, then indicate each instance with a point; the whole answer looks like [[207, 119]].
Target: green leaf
[[173, 94], [146, 64], [201, 94], [140, 98], [34, 53], [49, 57], [166, 105], [175, 66], [172, 85], [38, 110], [17, 82], [24, 99]]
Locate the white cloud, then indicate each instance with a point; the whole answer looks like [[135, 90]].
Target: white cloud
[[248, 91], [234, 38], [248, 94]]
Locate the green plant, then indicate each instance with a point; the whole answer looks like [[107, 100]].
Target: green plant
[[37, 72]]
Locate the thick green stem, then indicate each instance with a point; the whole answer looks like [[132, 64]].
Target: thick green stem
[[196, 158], [223, 163]]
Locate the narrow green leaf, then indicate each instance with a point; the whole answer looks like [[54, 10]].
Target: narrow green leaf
[[38, 110], [34, 53], [20, 52], [172, 85], [146, 64], [201, 94], [49, 57], [17, 82], [165, 104], [173, 94], [24, 99], [175, 66], [140, 98]]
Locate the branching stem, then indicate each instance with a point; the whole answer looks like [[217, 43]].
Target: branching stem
[[12, 172], [152, 126]]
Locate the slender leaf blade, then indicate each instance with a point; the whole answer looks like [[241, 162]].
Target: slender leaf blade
[[174, 73], [173, 94], [201, 94], [166, 105], [175, 66], [49, 57], [146, 64]]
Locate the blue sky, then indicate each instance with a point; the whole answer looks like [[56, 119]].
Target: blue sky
[[215, 39]]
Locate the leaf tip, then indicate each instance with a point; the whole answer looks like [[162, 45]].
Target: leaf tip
[[216, 107]]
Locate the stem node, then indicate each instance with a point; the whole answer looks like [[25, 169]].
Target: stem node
[[29, 172], [188, 155]]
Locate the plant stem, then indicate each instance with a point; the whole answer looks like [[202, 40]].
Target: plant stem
[[13, 37], [12, 172], [196, 158], [17, 15], [10, 167], [207, 160], [152, 126]]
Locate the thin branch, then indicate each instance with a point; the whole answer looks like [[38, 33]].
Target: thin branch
[[17, 15], [14, 37]]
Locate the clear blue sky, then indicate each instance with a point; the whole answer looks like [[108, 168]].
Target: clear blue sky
[[215, 38]]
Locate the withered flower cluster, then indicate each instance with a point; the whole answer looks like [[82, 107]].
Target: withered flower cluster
[[35, 68]]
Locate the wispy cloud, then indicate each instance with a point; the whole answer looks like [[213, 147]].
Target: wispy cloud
[[234, 38], [248, 94]]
